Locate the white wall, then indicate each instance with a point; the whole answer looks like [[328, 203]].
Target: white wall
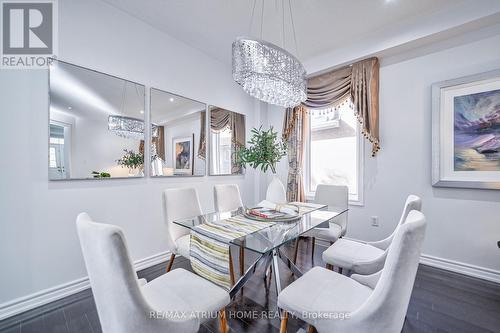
[[39, 247], [463, 224]]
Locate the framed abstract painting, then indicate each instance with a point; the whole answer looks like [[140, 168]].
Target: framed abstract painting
[[183, 155], [466, 132]]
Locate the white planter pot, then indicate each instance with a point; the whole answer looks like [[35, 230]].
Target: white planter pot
[[276, 191]]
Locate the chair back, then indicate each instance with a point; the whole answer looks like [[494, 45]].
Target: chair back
[[112, 277], [385, 309], [413, 202], [337, 199], [120, 303], [227, 198], [179, 203]]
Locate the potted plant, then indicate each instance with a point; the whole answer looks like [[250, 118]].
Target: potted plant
[[265, 149], [131, 160]]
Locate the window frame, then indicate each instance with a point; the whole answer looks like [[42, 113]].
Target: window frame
[[360, 144]]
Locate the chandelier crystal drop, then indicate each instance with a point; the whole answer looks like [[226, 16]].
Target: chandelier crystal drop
[[129, 127], [268, 72]]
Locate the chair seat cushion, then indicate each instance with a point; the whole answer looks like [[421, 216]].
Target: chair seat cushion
[[181, 291], [183, 245], [330, 234], [344, 253], [322, 292]]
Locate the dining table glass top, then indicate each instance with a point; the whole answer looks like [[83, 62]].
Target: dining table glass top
[[274, 236]]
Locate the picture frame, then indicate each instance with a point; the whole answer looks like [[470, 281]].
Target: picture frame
[[183, 150], [466, 132]]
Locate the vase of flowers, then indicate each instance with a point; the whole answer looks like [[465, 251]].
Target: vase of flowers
[[133, 161], [265, 149]]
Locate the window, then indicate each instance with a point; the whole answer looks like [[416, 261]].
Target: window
[[335, 151], [221, 151]]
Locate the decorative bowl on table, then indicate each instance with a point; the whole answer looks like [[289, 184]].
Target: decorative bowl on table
[[270, 215]]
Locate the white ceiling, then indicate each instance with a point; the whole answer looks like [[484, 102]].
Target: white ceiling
[[78, 91], [166, 107], [321, 25]]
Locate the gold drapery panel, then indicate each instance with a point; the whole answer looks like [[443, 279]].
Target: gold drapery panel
[[202, 145], [158, 143], [295, 129], [364, 96]]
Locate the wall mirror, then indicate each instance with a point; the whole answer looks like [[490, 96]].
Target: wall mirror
[[96, 124], [227, 137], [178, 139]]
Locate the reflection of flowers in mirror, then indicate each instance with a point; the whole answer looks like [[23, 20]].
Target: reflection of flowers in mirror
[[132, 161]]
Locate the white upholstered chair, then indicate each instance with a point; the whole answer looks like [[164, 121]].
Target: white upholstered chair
[[172, 302], [227, 197], [337, 199], [369, 257], [179, 203], [332, 302]]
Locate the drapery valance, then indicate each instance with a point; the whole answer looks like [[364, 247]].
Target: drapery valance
[[221, 119], [358, 82]]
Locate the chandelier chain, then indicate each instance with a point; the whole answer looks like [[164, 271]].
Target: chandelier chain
[[262, 19], [283, 23], [251, 18], [293, 28]]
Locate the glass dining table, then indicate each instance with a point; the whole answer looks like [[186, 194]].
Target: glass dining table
[[268, 241]]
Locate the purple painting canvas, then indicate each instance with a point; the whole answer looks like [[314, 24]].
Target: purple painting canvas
[[477, 131]]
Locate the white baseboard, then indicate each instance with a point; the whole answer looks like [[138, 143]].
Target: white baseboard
[[456, 266], [25, 303], [462, 268]]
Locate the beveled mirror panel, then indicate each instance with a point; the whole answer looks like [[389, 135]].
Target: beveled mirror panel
[[96, 124], [178, 135], [227, 137]]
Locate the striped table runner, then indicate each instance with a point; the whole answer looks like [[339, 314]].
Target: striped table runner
[[209, 249]]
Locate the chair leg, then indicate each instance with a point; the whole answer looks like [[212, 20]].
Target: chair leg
[[313, 245], [311, 329], [231, 268], [170, 262], [329, 266], [242, 260], [284, 322], [340, 270], [223, 321], [296, 250]]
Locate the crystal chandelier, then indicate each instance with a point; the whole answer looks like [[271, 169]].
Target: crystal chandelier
[[269, 72], [129, 128]]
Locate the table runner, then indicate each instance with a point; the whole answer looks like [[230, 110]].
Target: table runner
[[209, 249]]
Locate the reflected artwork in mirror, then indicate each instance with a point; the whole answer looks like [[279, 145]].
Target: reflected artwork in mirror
[[227, 137], [178, 143], [96, 124]]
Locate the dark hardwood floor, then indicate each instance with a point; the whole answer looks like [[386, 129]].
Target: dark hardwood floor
[[441, 301]]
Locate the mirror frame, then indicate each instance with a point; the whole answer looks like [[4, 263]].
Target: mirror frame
[[54, 61], [150, 123]]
